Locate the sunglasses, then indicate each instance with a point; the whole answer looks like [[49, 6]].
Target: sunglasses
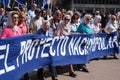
[[67, 19]]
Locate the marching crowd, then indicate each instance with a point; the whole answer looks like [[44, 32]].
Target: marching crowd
[[59, 22]]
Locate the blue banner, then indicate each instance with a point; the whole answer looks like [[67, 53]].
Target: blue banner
[[22, 54]]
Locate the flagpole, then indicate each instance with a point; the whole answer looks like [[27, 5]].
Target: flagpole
[[18, 5], [52, 5], [13, 4], [4, 4], [8, 3]]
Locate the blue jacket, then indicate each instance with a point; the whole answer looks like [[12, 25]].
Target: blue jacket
[[43, 33]]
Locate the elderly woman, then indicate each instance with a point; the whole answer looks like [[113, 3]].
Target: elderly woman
[[12, 29], [111, 27], [64, 28], [96, 24], [85, 26], [45, 30]]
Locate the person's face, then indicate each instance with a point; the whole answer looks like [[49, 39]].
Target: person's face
[[1, 11], [99, 20], [23, 9], [57, 15], [15, 19], [67, 20], [75, 19], [6, 13], [44, 13], [22, 18], [38, 14], [46, 26], [34, 7], [88, 20], [113, 19]]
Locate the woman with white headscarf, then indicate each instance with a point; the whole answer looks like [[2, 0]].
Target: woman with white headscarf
[[12, 29], [45, 30], [85, 26], [111, 27], [64, 28], [96, 24]]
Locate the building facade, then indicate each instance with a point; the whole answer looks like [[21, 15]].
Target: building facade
[[104, 6]]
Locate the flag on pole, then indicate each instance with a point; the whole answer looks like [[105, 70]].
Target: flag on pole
[[5, 2], [45, 4], [21, 2]]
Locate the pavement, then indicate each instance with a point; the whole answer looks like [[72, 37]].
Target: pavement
[[102, 69]]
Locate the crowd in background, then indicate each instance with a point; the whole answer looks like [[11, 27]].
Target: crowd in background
[[59, 22]]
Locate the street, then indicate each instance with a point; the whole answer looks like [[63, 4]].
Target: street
[[103, 69]]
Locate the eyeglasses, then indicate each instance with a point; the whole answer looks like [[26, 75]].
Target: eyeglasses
[[67, 19]]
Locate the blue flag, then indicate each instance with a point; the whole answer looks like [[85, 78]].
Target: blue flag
[[5, 2], [45, 4], [22, 2]]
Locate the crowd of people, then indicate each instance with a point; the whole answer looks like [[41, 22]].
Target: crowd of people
[[59, 22]]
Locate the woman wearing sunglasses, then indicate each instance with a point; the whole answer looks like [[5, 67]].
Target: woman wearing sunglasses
[[12, 29], [85, 28], [64, 28]]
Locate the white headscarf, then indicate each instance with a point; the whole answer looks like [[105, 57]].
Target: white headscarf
[[10, 23], [84, 18], [44, 23], [67, 16], [97, 17], [9, 20], [110, 20]]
